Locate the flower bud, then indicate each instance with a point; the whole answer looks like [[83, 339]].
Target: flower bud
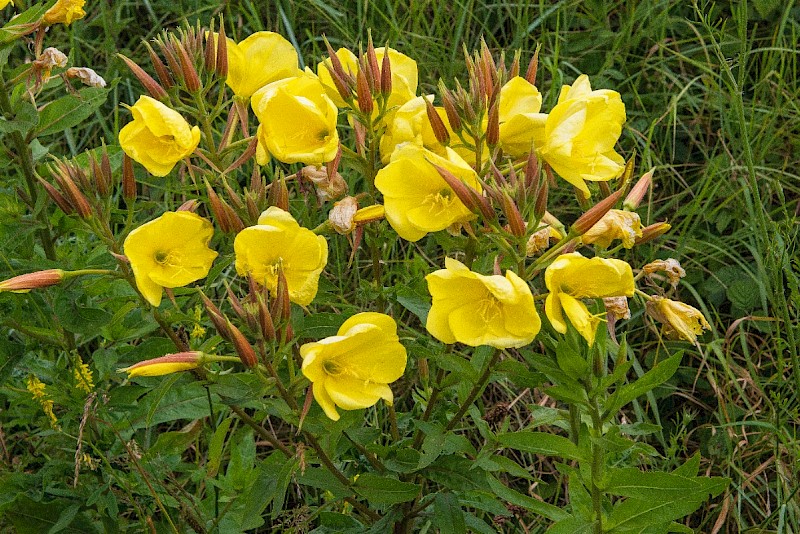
[[159, 67], [638, 191], [188, 69], [265, 319], [363, 93], [595, 213], [386, 75], [57, 197], [218, 209], [511, 211], [190, 205], [222, 51], [474, 201], [243, 347], [25, 282], [279, 194], [128, 180], [533, 66], [437, 124], [216, 316], [652, 232], [449, 104], [171, 363]]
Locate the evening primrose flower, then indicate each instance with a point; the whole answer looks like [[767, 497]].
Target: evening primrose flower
[[521, 124], [404, 75], [261, 58], [170, 251], [297, 122], [480, 310], [580, 133], [417, 200], [615, 224], [572, 277], [158, 137], [680, 320], [64, 12], [353, 369], [277, 243], [4, 3]]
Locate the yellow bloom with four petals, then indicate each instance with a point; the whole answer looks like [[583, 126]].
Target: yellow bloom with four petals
[[520, 121], [481, 310], [260, 59], [354, 368], [170, 251], [572, 277], [4, 3], [297, 122], [277, 243], [580, 133], [158, 137], [410, 124], [417, 200]]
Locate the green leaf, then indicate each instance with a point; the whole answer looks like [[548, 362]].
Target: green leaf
[[571, 361], [385, 490], [448, 518], [417, 303], [70, 110], [649, 381], [549, 511], [540, 443], [216, 446], [25, 118], [572, 525], [31, 517], [17, 26]]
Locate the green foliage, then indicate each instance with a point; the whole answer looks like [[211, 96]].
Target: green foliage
[[711, 95]]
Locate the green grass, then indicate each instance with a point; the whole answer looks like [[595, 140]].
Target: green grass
[[713, 103]]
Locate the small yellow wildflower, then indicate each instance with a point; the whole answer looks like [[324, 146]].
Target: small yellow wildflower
[[37, 388], [83, 376]]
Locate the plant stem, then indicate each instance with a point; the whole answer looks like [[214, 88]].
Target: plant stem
[[476, 389]]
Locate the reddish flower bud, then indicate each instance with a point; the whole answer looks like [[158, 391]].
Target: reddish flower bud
[[533, 66], [147, 81], [595, 213], [363, 92], [25, 282], [128, 180], [159, 67], [386, 75], [190, 77], [638, 191], [437, 124], [493, 127], [653, 231], [222, 51]]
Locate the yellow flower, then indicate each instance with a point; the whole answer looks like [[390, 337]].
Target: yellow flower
[[580, 134], [84, 380], [521, 124], [37, 389], [170, 251], [297, 122], [158, 137], [262, 58], [64, 12], [404, 75], [680, 320], [278, 243], [572, 277], [615, 224], [480, 310], [4, 3], [352, 369], [417, 200], [410, 124], [164, 365]]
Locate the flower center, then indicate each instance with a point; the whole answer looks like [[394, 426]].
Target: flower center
[[331, 368], [439, 201], [489, 309], [161, 257]]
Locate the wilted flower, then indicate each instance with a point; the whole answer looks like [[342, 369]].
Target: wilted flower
[[416, 198], [87, 76], [47, 61], [164, 365], [480, 310], [261, 58], [680, 320], [278, 244], [328, 187], [521, 124], [617, 307], [64, 12], [158, 137], [170, 251], [540, 239], [297, 122], [615, 224], [572, 277], [671, 267], [352, 369], [580, 134]]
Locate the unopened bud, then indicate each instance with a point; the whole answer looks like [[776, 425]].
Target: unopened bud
[[449, 104], [372, 64], [161, 70], [218, 209], [210, 50], [243, 347], [281, 305], [265, 319], [493, 127], [437, 124], [540, 205], [128, 180], [190, 206], [511, 211], [171, 363], [279, 194], [87, 76], [190, 77], [533, 66], [638, 191], [595, 213], [652, 232], [472, 200], [36, 280], [363, 93], [216, 316], [386, 74], [222, 51], [57, 197], [147, 81]]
